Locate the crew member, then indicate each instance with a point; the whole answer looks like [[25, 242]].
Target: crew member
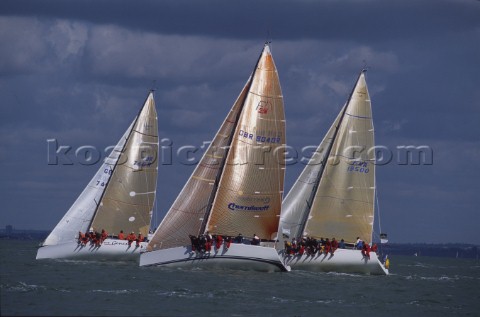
[[358, 244], [328, 246], [103, 236], [366, 250], [121, 235], [131, 237], [139, 239], [218, 241], [194, 242], [228, 241], [81, 238], [334, 245], [255, 240], [239, 238]]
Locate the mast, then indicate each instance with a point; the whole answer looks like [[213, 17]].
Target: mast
[[222, 165], [307, 211], [116, 163]]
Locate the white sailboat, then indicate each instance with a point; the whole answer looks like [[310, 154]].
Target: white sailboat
[[237, 187], [119, 197], [334, 195]]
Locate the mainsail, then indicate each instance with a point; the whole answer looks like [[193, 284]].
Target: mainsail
[[238, 185], [334, 195], [121, 194]]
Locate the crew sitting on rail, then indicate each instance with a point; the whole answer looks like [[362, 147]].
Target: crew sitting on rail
[[82, 239], [121, 235], [358, 244], [194, 242], [334, 246], [218, 241], [228, 241], [131, 237], [366, 250], [139, 239], [208, 244], [311, 246], [255, 239], [103, 236], [239, 238]]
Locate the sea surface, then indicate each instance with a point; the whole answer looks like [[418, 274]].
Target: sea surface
[[417, 286]]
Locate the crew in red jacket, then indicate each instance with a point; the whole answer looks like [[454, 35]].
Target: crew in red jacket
[[131, 237], [103, 236], [334, 245], [219, 241], [366, 250]]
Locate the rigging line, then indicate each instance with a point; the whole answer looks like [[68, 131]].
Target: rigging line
[[378, 211]]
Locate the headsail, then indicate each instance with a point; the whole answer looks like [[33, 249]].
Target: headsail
[[232, 190], [188, 212], [297, 203], [250, 193], [79, 216], [129, 197], [343, 203]]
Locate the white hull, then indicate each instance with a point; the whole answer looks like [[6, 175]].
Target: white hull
[[238, 257], [343, 261], [109, 249]]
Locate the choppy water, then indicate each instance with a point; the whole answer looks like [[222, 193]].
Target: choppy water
[[418, 286]]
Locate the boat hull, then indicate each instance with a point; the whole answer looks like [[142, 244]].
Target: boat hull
[[237, 257], [342, 261], [109, 249]]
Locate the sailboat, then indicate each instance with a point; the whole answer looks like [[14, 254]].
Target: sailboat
[[334, 195], [236, 188], [119, 197]]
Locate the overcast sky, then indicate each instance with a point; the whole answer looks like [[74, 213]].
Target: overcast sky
[[78, 72]]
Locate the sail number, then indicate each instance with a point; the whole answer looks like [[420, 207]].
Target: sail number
[[147, 161], [101, 182], [259, 138], [358, 166]]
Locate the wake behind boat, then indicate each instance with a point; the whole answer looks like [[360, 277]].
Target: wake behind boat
[[334, 197], [236, 188], [117, 201]]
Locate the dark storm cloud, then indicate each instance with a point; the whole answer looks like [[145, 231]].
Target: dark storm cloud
[[333, 20]]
